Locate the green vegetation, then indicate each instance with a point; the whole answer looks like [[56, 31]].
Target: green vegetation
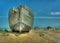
[[49, 27], [36, 27]]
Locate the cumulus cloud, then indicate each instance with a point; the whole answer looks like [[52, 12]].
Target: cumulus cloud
[[55, 13]]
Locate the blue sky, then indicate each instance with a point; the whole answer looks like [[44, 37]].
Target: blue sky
[[46, 12]]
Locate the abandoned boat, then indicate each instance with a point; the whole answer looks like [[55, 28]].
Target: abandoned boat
[[21, 19]]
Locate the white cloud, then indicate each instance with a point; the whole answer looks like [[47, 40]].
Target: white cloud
[[3, 16], [55, 13], [49, 17]]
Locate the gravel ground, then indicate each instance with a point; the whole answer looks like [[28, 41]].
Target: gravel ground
[[34, 36]]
